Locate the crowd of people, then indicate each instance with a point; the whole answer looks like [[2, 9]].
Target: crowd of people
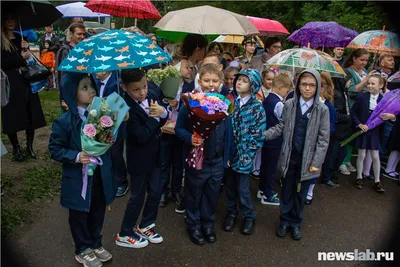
[[290, 124]]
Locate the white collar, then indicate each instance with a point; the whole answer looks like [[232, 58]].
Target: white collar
[[244, 99], [308, 103], [374, 96], [106, 80]]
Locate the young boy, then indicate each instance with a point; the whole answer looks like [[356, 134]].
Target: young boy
[[86, 215], [107, 84], [248, 123], [273, 106], [202, 186], [143, 157], [229, 74], [304, 126]]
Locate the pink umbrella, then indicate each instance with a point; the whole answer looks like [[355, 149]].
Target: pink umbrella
[[268, 27]]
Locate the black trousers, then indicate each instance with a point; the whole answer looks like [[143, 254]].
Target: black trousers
[[270, 158], [86, 226], [172, 157], [201, 194], [333, 160], [141, 184], [117, 157], [294, 193]]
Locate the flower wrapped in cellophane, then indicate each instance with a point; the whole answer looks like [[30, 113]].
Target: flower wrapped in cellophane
[[206, 112], [100, 130], [390, 103]]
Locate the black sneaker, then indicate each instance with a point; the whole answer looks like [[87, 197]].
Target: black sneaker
[[180, 207]]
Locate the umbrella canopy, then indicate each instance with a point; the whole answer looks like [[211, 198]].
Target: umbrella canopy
[[206, 20], [298, 59], [139, 9], [268, 27], [395, 77], [377, 41], [179, 36], [78, 9], [113, 50], [235, 39], [323, 34], [31, 14]]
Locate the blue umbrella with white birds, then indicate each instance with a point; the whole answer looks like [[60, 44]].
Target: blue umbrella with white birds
[[113, 50]]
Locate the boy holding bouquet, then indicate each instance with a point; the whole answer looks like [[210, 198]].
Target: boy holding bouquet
[[143, 157], [86, 214], [248, 122], [202, 185]]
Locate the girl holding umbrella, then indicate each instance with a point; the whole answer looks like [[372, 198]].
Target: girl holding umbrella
[[24, 111]]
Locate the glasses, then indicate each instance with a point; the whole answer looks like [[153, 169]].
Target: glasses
[[277, 47], [311, 85]]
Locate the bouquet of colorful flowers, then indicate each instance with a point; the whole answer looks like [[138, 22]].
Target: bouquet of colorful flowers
[[206, 112], [100, 130], [168, 79], [390, 103]]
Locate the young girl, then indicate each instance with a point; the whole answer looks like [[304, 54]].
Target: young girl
[[326, 97], [47, 59], [369, 142], [268, 76]]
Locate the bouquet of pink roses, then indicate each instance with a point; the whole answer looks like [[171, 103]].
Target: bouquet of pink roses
[[100, 130]]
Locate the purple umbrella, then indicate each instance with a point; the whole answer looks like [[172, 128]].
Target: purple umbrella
[[325, 34]]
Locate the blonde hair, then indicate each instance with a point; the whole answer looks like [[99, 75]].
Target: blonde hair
[[282, 79], [6, 43], [382, 80], [329, 90], [210, 68]]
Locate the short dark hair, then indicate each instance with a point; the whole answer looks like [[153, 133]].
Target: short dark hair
[[191, 42], [75, 25], [132, 75], [212, 45], [270, 41]]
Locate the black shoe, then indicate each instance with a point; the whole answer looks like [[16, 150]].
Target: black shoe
[[176, 197], [281, 230], [29, 144], [163, 200], [308, 201], [333, 184], [180, 207], [17, 152], [196, 236], [296, 234], [230, 221], [122, 190], [209, 235], [248, 226]]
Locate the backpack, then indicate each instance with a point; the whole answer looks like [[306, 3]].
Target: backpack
[[60, 53]]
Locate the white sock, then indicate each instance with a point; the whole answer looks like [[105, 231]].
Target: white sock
[[310, 191]]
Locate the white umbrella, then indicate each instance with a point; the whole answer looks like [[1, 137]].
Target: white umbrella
[[206, 20], [78, 9]]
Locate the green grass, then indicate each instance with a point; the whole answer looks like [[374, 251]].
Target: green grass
[[37, 184], [50, 105]]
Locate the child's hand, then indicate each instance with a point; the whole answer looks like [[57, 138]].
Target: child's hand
[[388, 116], [126, 116], [363, 127], [196, 141], [84, 158], [314, 169], [229, 163], [173, 103], [155, 109]]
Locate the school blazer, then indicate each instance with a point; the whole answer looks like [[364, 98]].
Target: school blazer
[[143, 152]]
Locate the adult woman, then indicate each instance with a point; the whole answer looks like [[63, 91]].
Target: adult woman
[[228, 58], [358, 77], [249, 44], [194, 48], [216, 48], [272, 47], [23, 112]]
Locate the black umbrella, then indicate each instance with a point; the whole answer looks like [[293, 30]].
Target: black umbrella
[[31, 14]]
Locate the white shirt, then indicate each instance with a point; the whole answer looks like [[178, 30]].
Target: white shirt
[[373, 101], [48, 37], [81, 112], [278, 107], [305, 105], [104, 83], [265, 91], [145, 104], [244, 100], [173, 114]]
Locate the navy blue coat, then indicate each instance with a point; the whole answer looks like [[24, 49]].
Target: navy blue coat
[[111, 86], [360, 111], [143, 152], [184, 133], [65, 145]]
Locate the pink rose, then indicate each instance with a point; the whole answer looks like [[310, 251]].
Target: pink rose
[[106, 121], [89, 130]]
